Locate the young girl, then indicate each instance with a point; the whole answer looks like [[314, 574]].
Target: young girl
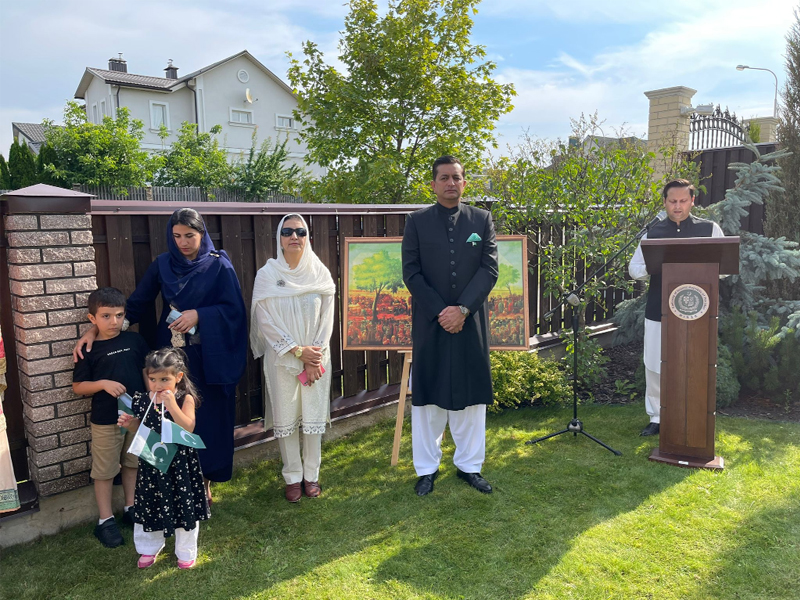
[[175, 501]]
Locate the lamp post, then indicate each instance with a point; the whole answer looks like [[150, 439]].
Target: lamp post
[[775, 106]]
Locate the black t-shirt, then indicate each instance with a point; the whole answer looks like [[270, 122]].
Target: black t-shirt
[[119, 359]]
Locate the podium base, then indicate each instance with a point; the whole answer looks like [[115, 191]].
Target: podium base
[[690, 462]]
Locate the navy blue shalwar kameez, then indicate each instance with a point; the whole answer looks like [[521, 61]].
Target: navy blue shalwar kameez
[[208, 285]]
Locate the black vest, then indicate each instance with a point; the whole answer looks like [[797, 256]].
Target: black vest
[[690, 228]]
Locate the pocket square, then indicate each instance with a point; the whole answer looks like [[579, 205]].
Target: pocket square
[[474, 239]]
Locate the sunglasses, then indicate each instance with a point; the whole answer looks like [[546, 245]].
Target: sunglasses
[[288, 231]]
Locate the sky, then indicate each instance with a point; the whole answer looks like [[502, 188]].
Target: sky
[[564, 57]]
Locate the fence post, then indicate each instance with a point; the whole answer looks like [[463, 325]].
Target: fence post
[[51, 272], [666, 126]]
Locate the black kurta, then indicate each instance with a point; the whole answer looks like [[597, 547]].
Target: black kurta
[[441, 268]]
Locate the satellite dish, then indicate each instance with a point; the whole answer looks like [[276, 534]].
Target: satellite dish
[[247, 96]]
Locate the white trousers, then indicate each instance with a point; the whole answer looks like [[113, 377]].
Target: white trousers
[[152, 542], [296, 469], [652, 369], [468, 428]]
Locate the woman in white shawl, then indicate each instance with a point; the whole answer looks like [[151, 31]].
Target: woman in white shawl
[[291, 326]]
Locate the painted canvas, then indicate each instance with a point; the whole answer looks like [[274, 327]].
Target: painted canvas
[[377, 314], [508, 302]]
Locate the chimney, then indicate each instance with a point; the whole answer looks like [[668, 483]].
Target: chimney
[[172, 71], [117, 64]]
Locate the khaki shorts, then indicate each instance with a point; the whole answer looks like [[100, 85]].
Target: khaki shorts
[[109, 448]]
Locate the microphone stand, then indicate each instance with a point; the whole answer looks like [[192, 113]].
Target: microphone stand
[[572, 298]]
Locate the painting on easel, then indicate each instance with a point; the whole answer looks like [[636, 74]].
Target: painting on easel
[[377, 304], [509, 327]]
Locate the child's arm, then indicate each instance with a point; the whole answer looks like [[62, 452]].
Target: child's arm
[[129, 422], [89, 388], [183, 416]]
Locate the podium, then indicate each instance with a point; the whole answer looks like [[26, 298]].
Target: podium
[[690, 270]]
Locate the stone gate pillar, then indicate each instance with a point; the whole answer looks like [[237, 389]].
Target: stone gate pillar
[[666, 126], [51, 273]]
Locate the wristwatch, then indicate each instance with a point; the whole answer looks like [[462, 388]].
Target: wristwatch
[[299, 352], [464, 310]]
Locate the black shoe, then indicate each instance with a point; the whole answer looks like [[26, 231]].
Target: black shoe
[[476, 481], [108, 534], [651, 429], [425, 484], [127, 517]]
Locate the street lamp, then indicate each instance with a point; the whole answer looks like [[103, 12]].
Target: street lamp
[[775, 107]]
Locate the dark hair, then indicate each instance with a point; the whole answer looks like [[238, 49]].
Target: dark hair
[[173, 361], [189, 217], [446, 160], [105, 297], [678, 183]]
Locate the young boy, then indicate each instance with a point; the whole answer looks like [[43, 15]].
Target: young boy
[[113, 367]]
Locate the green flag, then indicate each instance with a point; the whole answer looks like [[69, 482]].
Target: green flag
[[125, 404], [172, 433], [148, 446]]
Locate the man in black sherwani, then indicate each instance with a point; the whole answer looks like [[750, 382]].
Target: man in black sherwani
[[450, 266]]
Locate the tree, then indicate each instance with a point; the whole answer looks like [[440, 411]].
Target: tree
[[265, 170], [21, 166], [45, 165], [108, 153], [415, 88], [193, 160], [783, 214], [377, 273], [5, 175], [507, 276]]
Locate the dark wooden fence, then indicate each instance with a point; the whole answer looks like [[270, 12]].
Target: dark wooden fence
[[128, 235], [718, 179]]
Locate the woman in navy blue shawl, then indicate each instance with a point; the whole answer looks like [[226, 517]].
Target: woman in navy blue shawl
[[208, 285]]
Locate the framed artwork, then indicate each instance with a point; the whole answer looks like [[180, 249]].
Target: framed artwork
[[377, 304]]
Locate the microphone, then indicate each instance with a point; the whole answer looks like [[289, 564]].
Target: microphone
[[657, 219]]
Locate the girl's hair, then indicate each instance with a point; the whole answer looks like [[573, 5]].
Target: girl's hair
[[189, 217], [173, 361]]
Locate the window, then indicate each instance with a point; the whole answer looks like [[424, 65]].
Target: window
[[103, 109], [159, 115], [284, 122], [95, 118], [241, 117]]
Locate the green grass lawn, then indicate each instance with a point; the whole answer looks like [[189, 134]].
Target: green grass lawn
[[567, 520]]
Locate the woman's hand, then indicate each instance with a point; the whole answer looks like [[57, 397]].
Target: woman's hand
[[312, 355], [185, 322], [87, 339], [313, 372]]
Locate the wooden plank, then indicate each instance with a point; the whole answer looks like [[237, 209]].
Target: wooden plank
[[100, 251], [353, 361], [376, 369], [119, 241]]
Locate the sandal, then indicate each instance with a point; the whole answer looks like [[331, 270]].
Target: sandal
[[186, 564], [146, 560]]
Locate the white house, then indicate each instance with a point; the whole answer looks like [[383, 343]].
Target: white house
[[238, 93]]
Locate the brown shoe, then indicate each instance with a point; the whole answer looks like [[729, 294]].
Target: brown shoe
[[312, 489], [293, 492]]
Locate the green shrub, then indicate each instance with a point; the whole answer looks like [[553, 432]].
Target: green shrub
[[523, 379], [592, 360], [727, 383]]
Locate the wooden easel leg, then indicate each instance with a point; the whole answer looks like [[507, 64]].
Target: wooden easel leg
[[401, 409]]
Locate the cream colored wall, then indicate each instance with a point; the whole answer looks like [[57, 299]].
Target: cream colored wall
[[181, 108], [97, 92]]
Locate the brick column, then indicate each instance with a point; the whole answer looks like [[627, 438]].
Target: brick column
[[666, 126], [51, 272], [769, 128]]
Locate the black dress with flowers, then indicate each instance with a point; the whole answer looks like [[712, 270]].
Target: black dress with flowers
[[177, 498]]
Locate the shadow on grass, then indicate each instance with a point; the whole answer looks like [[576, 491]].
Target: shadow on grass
[[369, 535]]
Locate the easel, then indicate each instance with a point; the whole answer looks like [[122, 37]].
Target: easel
[[401, 406]]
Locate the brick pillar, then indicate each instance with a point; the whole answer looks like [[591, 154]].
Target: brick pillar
[[666, 126], [769, 128], [51, 272]]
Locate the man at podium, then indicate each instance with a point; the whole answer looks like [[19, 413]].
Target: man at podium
[[678, 198]]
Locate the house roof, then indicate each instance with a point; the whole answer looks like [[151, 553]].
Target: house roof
[[33, 131], [162, 83]]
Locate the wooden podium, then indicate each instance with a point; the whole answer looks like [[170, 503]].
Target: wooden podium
[[690, 270]]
